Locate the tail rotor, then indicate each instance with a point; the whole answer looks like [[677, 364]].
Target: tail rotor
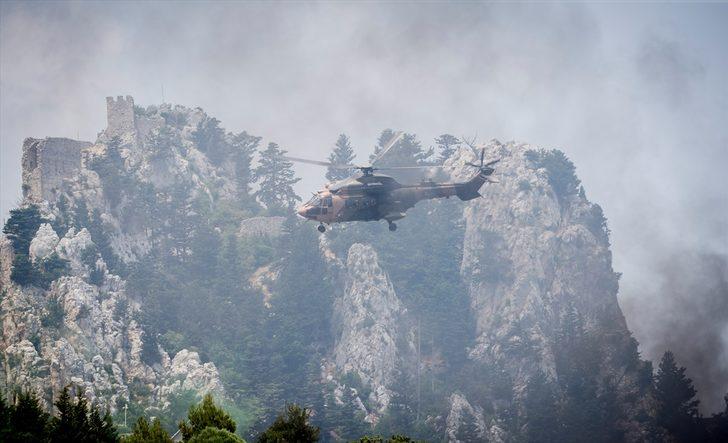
[[485, 168]]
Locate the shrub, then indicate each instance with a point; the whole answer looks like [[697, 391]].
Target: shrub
[[561, 171], [215, 435], [50, 269], [53, 318]]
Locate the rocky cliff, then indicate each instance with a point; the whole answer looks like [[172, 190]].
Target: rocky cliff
[[445, 323], [83, 328]]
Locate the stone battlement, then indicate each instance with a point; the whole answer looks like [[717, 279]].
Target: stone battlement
[[47, 163]]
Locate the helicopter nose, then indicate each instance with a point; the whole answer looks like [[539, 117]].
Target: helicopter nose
[[301, 211]]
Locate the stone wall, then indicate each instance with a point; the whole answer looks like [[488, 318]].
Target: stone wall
[[46, 163]]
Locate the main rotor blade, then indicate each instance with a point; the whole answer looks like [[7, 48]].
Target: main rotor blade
[[492, 162], [388, 146], [318, 163], [387, 168]]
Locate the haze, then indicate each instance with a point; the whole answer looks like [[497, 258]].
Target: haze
[[636, 95]]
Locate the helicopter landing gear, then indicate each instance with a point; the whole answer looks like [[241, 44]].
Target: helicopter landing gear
[[321, 228], [392, 226]]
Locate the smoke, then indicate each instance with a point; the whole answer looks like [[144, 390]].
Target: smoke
[[689, 316], [634, 94]]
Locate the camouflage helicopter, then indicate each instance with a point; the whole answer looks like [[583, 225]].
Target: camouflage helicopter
[[366, 196]]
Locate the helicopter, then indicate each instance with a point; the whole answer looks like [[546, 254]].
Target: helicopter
[[366, 196]]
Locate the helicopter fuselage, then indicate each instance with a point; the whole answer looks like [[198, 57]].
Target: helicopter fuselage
[[376, 197]]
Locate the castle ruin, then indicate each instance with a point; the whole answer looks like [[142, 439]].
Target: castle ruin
[[46, 163], [120, 119]]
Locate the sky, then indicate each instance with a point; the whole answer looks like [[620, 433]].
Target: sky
[[635, 94]]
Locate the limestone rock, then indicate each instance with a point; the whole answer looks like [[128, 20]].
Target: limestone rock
[[368, 314], [187, 372], [43, 243], [460, 409], [261, 227]]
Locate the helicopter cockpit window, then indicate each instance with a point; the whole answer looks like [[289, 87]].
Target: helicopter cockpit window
[[327, 201], [315, 201]]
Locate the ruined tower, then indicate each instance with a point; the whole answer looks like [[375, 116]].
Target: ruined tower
[[46, 163], [119, 116]]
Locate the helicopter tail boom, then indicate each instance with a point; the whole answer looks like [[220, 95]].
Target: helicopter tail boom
[[469, 190]]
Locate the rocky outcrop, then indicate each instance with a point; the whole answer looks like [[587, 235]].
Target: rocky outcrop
[[534, 249], [185, 372], [528, 254], [84, 330], [44, 242], [460, 411], [261, 227], [367, 318]]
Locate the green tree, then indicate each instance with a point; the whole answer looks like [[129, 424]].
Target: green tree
[[677, 407], [346, 419], [161, 142], [111, 170], [243, 146], [209, 138], [343, 154], [102, 241], [401, 414], [407, 151], [23, 273], [27, 420], [49, 269], [540, 410], [22, 226], [206, 414], [561, 171], [468, 430], [292, 426], [143, 432], [447, 144], [276, 178], [215, 435], [20, 229]]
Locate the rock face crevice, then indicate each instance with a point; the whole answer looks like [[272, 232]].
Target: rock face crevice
[[368, 318]]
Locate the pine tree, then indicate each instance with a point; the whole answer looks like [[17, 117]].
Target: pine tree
[[22, 226], [209, 138], [276, 178], [447, 144], [346, 419], [677, 407], [293, 426], [142, 432], [244, 146], [101, 240], [110, 168], [80, 215], [215, 435], [343, 154], [468, 430], [407, 151], [27, 420], [401, 416], [161, 142], [203, 415], [5, 415], [540, 409]]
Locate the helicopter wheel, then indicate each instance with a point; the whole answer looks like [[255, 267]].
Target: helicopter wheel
[[321, 228], [392, 226]]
